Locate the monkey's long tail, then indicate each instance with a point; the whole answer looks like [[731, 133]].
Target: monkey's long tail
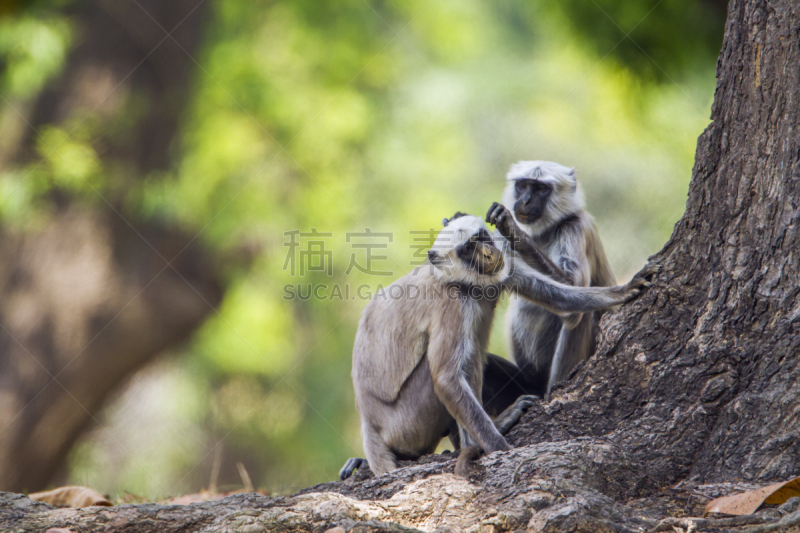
[[467, 456]]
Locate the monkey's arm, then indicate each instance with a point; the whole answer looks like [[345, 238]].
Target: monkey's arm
[[450, 358], [563, 299], [574, 262], [521, 242]]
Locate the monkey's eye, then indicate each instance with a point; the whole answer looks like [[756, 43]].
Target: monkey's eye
[[519, 186], [543, 191]]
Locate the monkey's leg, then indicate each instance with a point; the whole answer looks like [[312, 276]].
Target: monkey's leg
[[352, 464], [503, 383], [475, 427], [573, 346], [456, 371], [466, 440], [465, 458], [471, 451], [454, 436], [511, 416], [380, 457]]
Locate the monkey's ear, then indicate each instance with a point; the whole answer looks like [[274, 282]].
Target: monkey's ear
[[445, 222], [433, 256]]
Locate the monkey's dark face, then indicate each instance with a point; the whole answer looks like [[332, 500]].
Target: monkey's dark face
[[531, 197], [479, 253], [464, 251]]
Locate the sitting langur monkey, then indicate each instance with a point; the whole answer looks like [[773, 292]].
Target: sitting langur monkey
[[542, 219], [421, 346]]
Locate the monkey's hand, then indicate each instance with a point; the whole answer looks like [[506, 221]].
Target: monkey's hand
[[351, 466], [643, 279], [521, 242], [500, 217], [645, 276], [512, 414]]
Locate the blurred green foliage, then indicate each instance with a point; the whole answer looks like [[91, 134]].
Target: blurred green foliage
[[658, 40], [32, 50], [348, 115]]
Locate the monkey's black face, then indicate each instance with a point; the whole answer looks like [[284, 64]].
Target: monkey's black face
[[480, 253], [531, 199]]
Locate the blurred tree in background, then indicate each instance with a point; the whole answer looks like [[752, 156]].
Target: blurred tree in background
[[91, 290], [659, 41], [254, 120]]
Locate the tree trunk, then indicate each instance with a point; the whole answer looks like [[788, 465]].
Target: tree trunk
[[698, 379], [97, 293], [693, 392]]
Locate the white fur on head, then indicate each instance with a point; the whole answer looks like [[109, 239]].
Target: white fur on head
[[566, 199], [451, 267]]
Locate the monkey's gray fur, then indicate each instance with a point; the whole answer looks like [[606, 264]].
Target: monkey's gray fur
[[418, 361], [543, 218]]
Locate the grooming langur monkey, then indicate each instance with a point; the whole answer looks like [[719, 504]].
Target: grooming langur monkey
[[420, 349], [542, 218]]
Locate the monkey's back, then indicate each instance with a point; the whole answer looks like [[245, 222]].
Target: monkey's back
[[602, 275], [392, 379], [392, 334]]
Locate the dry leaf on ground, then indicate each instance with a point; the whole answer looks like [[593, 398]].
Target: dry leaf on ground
[[748, 502], [71, 496]]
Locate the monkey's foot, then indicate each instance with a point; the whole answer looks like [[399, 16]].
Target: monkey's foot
[[467, 456], [512, 414], [351, 466]]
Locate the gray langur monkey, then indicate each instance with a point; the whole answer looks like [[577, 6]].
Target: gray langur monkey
[[420, 349], [542, 218]]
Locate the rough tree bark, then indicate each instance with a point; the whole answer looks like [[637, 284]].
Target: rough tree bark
[[95, 294], [693, 392]]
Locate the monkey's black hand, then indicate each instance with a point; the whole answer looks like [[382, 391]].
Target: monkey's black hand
[[351, 466], [499, 216], [643, 280], [649, 271]]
